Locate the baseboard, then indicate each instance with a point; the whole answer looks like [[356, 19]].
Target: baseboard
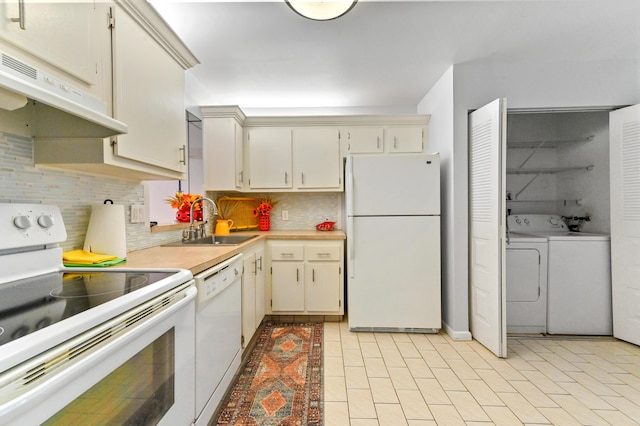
[[455, 334]]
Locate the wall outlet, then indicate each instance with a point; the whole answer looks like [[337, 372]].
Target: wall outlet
[[137, 214], [285, 214]]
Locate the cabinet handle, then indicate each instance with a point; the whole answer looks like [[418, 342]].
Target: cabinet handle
[[302, 177], [324, 254], [286, 254], [184, 155], [297, 275], [21, 16], [260, 258], [241, 176], [395, 142], [255, 267], [313, 275], [286, 178], [378, 142]]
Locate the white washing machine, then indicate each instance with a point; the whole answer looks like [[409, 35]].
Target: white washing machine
[[526, 282], [579, 276]]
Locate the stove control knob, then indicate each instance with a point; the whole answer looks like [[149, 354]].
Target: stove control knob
[[45, 221], [22, 222]]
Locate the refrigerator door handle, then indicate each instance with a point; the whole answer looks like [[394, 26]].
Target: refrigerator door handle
[[349, 186], [349, 208], [351, 243]]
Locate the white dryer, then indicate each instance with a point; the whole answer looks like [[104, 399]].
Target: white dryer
[[526, 282]]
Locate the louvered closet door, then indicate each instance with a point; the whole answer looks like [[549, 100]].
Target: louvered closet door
[[487, 171], [624, 128]]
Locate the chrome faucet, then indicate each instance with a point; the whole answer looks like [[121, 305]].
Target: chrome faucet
[[193, 233]]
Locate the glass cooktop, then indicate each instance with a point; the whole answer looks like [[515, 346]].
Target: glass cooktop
[[34, 303]]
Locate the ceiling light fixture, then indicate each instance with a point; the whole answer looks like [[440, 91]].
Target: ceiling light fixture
[[321, 10]]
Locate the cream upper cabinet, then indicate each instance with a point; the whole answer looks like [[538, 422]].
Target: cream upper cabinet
[[317, 164], [149, 97], [222, 148], [147, 64], [404, 139], [362, 140], [62, 34], [270, 158]]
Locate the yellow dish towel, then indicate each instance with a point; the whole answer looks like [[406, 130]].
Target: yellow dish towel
[[85, 258]]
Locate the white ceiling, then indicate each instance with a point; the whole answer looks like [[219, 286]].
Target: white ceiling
[[260, 54]]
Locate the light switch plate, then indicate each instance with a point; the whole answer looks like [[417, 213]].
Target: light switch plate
[[137, 214], [285, 214]]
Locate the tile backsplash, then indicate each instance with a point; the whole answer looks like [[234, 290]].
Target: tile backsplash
[[74, 192]]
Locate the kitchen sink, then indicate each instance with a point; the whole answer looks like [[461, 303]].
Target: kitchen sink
[[216, 240]]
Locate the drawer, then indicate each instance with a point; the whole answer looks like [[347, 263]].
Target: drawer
[[287, 252], [328, 252]]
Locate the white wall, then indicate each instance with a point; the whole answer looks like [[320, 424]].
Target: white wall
[[439, 103], [525, 85]]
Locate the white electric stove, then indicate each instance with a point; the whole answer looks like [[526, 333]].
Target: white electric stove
[[66, 333]]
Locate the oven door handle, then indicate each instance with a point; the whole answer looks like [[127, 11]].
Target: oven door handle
[[114, 352]]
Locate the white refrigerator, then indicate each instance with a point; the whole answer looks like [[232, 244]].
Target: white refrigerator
[[393, 242]]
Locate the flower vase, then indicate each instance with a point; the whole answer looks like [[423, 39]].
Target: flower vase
[[183, 215], [264, 222]]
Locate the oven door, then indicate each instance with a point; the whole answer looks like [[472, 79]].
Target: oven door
[[137, 368]]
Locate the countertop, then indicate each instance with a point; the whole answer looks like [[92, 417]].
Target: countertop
[[200, 258]]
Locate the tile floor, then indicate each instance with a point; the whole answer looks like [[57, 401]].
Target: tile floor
[[418, 379]]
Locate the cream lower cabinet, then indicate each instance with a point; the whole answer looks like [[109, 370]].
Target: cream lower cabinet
[[253, 293], [306, 277]]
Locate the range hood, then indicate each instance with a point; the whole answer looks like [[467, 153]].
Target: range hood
[[57, 109]]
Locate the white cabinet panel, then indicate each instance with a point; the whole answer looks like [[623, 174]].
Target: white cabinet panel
[[404, 139], [307, 278], [222, 154], [270, 158], [64, 35], [362, 140], [149, 97], [316, 158], [287, 286]]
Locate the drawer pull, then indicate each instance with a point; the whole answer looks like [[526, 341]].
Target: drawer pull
[[286, 254], [324, 254]]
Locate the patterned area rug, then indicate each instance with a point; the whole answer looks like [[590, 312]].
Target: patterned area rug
[[281, 383]]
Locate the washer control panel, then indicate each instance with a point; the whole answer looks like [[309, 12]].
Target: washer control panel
[[536, 223], [25, 225]]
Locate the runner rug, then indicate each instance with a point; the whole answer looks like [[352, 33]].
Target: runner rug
[[281, 382]]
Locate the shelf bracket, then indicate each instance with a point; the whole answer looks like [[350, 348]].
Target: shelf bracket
[[515, 197], [531, 154]]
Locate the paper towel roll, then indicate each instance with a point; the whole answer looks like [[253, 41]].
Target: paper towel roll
[[106, 233]]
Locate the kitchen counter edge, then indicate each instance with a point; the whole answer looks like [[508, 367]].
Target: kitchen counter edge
[[200, 258]]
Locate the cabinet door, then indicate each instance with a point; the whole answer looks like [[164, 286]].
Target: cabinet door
[[323, 286], [239, 155], [64, 35], [404, 139], [260, 292], [269, 158], [362, 140], [149, 97], [316, 158], [287, 287], [248, 298], [222, 141]]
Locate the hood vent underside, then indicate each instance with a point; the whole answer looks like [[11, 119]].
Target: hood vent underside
[[59, 109]]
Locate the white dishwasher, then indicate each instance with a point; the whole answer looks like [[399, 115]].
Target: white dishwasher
[[218, 334]]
